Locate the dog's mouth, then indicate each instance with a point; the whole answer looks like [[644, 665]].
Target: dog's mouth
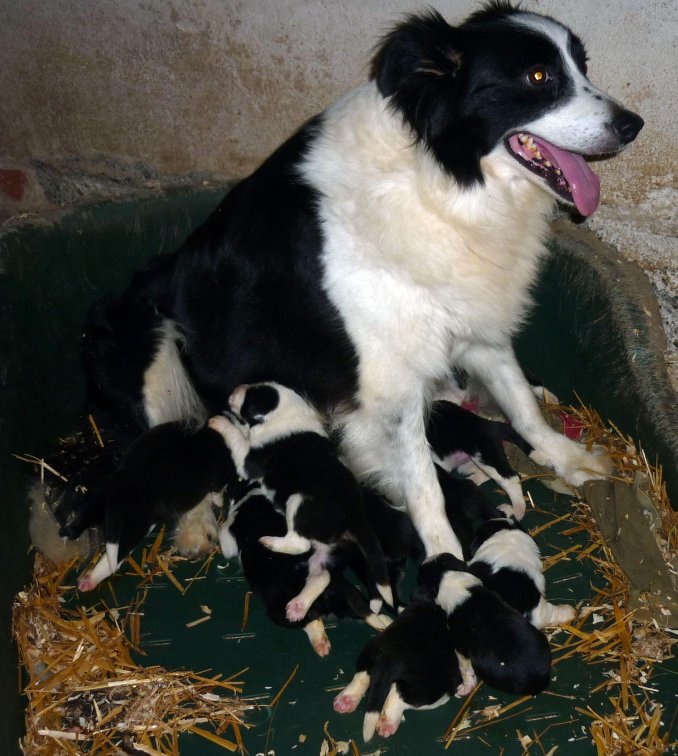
[[566, 173]]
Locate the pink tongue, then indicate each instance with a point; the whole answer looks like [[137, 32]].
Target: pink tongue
[[584, 183]]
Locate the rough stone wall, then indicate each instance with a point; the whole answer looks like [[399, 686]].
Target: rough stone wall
[[215, 85], [100, 97]]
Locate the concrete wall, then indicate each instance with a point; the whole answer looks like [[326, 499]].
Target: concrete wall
[[214, 85]]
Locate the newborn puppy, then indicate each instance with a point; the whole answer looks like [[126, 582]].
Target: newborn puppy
[[492, 638], [458, 436], [167, 472], [411, 665], [465, 505], [280, 579], [507, 560], [288, 450]]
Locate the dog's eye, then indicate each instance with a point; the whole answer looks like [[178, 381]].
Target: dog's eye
[[538, 76]]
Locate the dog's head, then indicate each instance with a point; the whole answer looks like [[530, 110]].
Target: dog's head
[[504, 80], [273, 411]]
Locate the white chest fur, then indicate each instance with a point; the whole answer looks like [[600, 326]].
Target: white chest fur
[[417, 267]]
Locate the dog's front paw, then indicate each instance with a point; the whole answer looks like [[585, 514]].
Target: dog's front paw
[[572, 462]]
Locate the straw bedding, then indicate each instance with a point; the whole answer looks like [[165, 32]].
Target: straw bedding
[[86, 693]]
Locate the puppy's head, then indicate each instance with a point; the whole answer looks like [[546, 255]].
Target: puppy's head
[[435, 576], [506, 83], [490, 528], [273, 411]]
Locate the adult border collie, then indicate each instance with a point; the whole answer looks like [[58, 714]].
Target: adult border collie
[[394, 236]]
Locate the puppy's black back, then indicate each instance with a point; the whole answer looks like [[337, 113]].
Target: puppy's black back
[[164, 473], [417, 653], [507, 652]]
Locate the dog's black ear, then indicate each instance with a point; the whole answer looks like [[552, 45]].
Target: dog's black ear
[[423, 47], [417, 63]]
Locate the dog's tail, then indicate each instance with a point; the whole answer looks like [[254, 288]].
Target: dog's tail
[[132, 357]]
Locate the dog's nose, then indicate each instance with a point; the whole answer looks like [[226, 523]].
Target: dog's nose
[[626, 125]]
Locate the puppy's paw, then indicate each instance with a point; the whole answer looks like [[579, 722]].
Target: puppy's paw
[[87, 582], [322, 646], [378, 621], [387, 726], [466, 687], [345, 703], [296, 610], [196, 532]]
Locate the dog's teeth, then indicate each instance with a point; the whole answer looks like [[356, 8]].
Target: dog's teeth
[[559, 172], [547, 163], [522, 138], [537, 154]]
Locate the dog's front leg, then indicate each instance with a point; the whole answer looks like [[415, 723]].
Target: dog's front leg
[[386, 442], [497, 368]]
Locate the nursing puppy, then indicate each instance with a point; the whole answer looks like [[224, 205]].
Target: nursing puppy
[[169, 475], [507, 560], [394, 237], [458, 436], [281, 580], [492, 639], [411, 665], [466, 505], [288, 450]]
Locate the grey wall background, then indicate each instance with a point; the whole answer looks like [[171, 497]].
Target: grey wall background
[[216, 84], [129, 91]]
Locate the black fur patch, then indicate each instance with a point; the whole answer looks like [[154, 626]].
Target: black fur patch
[[260, 400], [463, 89]]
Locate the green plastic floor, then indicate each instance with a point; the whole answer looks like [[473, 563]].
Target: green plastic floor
[[48, 278]]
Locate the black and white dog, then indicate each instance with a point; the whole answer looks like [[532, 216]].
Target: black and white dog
[[508, 561], [411, 665], [491, 638], [280, 579], [393, 237], [287, 449]]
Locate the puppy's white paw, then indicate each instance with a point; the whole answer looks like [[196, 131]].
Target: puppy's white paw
[[87, 582], [296, 610], [345, 703]]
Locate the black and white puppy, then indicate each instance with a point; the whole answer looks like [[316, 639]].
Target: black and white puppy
[[508, 561], [170, 474], [288, 450], [492, 639], [411, 665], [280, 580], [458, 436]]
